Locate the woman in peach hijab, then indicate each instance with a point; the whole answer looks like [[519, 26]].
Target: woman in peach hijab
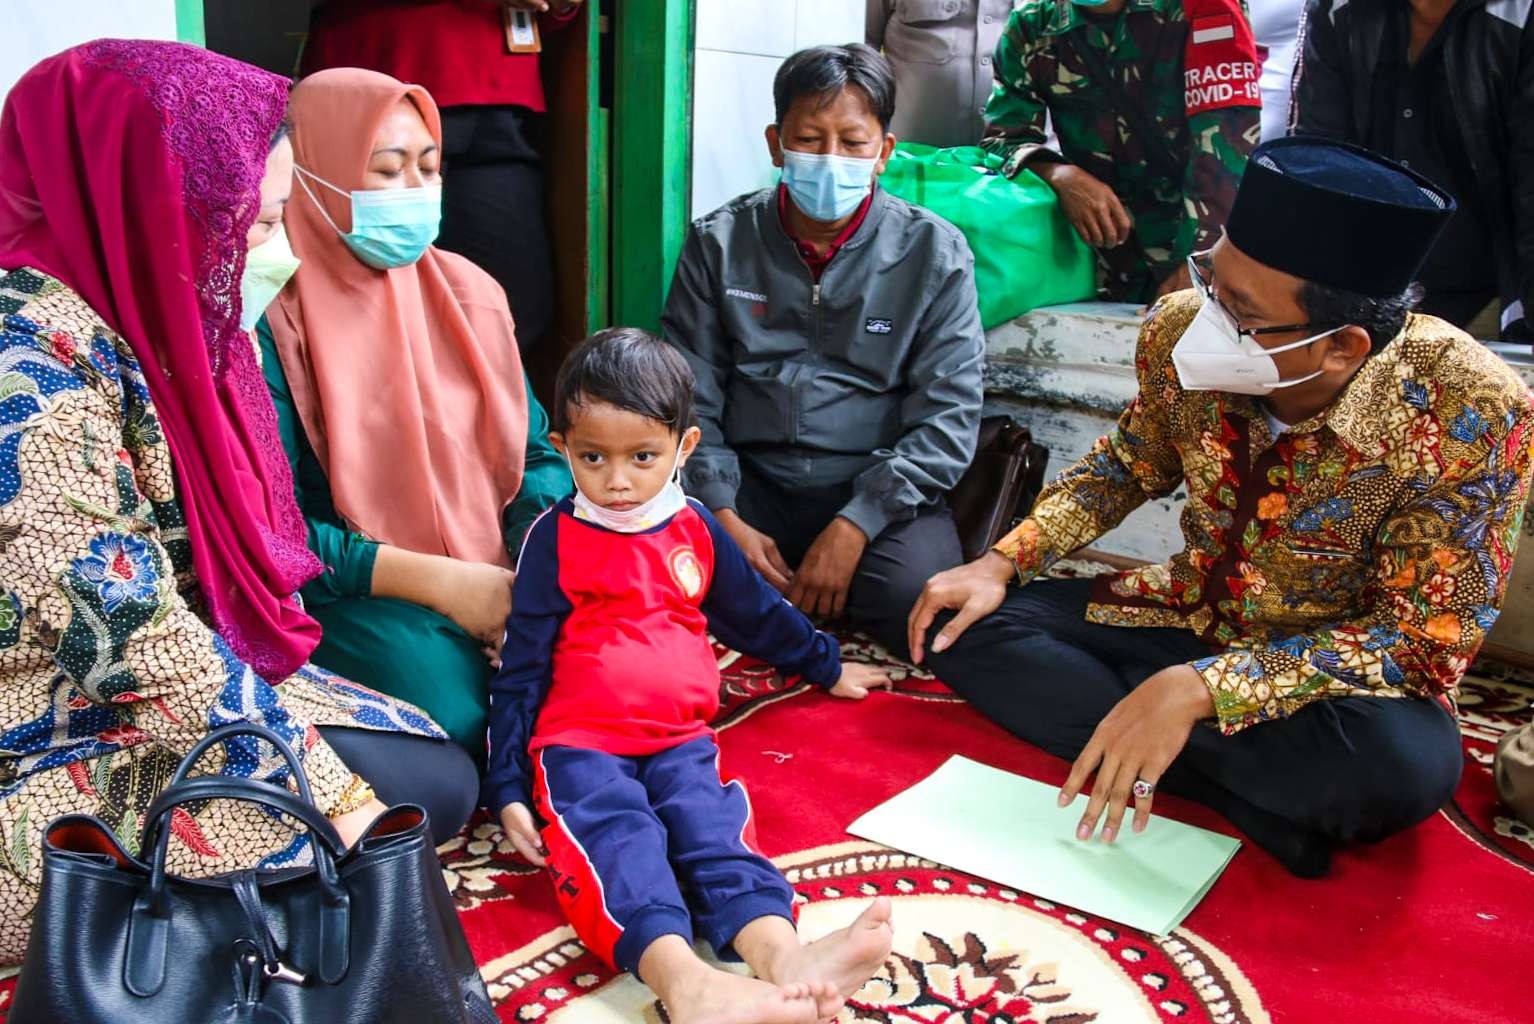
[[420, 455]]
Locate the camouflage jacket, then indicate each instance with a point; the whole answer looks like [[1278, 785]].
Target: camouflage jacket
[[1365, 551], [1195, 64]]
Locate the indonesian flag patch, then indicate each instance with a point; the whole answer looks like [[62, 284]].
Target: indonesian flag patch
[[1220, 63]]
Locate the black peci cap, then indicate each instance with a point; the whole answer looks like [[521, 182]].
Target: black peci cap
[[1337, 214]]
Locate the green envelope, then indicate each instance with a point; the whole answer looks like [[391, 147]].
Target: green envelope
[[1008, 829]]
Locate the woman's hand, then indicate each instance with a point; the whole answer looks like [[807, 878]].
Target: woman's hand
[[858, 679], [475, 595], [517, 822], [976, 590], [352, 824], [760, 550]]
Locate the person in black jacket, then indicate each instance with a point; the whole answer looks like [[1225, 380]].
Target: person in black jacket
[[1447, 88]]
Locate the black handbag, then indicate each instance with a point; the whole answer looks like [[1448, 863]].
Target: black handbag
[[1000, 486], [365, 936]]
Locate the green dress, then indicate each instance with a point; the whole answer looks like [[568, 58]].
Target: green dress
[[396, 647]]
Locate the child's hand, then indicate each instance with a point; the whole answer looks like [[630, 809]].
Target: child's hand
[[857, 679], [517, 821]]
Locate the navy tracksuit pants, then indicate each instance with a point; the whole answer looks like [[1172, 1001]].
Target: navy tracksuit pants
[[643, 847]]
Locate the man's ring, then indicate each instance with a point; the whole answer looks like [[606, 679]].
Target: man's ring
[[1142, 789]]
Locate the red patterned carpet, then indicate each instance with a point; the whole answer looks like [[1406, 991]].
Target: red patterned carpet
[[1432, 926], [1435, 925]]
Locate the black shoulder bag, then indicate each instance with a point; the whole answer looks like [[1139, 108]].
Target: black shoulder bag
[[999, 487], [367, 935]]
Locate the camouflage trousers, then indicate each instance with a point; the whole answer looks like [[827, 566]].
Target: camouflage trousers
[[1161, 240]]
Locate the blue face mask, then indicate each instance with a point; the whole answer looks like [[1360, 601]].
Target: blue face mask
[[826, 188], [391, 227]]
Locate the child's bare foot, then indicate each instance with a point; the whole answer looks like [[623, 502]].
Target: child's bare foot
[[844, 960], [718, 997]]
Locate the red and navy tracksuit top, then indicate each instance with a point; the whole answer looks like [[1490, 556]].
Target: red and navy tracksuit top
[[599, 717]]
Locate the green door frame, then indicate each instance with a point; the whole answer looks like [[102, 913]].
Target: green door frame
[[190, 26], [651, 153], [598, 184]]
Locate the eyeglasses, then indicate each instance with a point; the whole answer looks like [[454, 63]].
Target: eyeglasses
[[1201, 273]]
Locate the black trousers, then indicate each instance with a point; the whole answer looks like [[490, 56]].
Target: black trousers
[[493, 208], [1352, 769], [895, 566], [438, 775]]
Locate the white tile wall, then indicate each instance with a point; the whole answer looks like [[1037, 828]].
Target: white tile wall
[[748, 26], [732, 106], [827, 21], [740, 44], [35, 29]]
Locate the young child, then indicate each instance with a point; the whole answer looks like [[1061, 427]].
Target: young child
[[599, 716]]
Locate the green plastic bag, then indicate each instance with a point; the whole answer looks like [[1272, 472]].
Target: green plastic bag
[[1026, 253]]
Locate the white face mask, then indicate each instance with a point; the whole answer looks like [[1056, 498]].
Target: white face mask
[[667, 502], [1213, 355]]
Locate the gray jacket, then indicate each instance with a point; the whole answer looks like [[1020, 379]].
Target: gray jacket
[[943, 52], [871, 376]]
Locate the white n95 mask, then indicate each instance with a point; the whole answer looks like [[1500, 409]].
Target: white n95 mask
[[1213, 355]]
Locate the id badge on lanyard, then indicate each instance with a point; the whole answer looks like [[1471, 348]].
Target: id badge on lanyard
[[522, 32]]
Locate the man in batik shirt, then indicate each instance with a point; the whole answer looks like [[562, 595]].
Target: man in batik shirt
[[1156, 106], [1356, 476]]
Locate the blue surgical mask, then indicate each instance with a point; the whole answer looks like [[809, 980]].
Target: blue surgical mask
[[391, 227], [825, 187], [267, 268]]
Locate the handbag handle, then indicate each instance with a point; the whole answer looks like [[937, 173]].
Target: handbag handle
[[226, 732], [181, 790], [328, 845], [149, 929]]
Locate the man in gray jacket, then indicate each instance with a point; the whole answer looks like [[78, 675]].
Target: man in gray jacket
[[834, 332]]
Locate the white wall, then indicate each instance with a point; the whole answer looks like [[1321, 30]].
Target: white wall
[[740, 44], [34, 29]]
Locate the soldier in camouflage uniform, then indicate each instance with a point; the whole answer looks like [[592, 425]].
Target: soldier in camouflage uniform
[[1189, 67]]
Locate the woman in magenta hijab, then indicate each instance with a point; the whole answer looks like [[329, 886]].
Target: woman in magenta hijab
[[152, 548]]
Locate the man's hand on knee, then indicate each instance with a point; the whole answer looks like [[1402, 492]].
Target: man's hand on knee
[[975, 590], [760, 550], [820, 586]]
